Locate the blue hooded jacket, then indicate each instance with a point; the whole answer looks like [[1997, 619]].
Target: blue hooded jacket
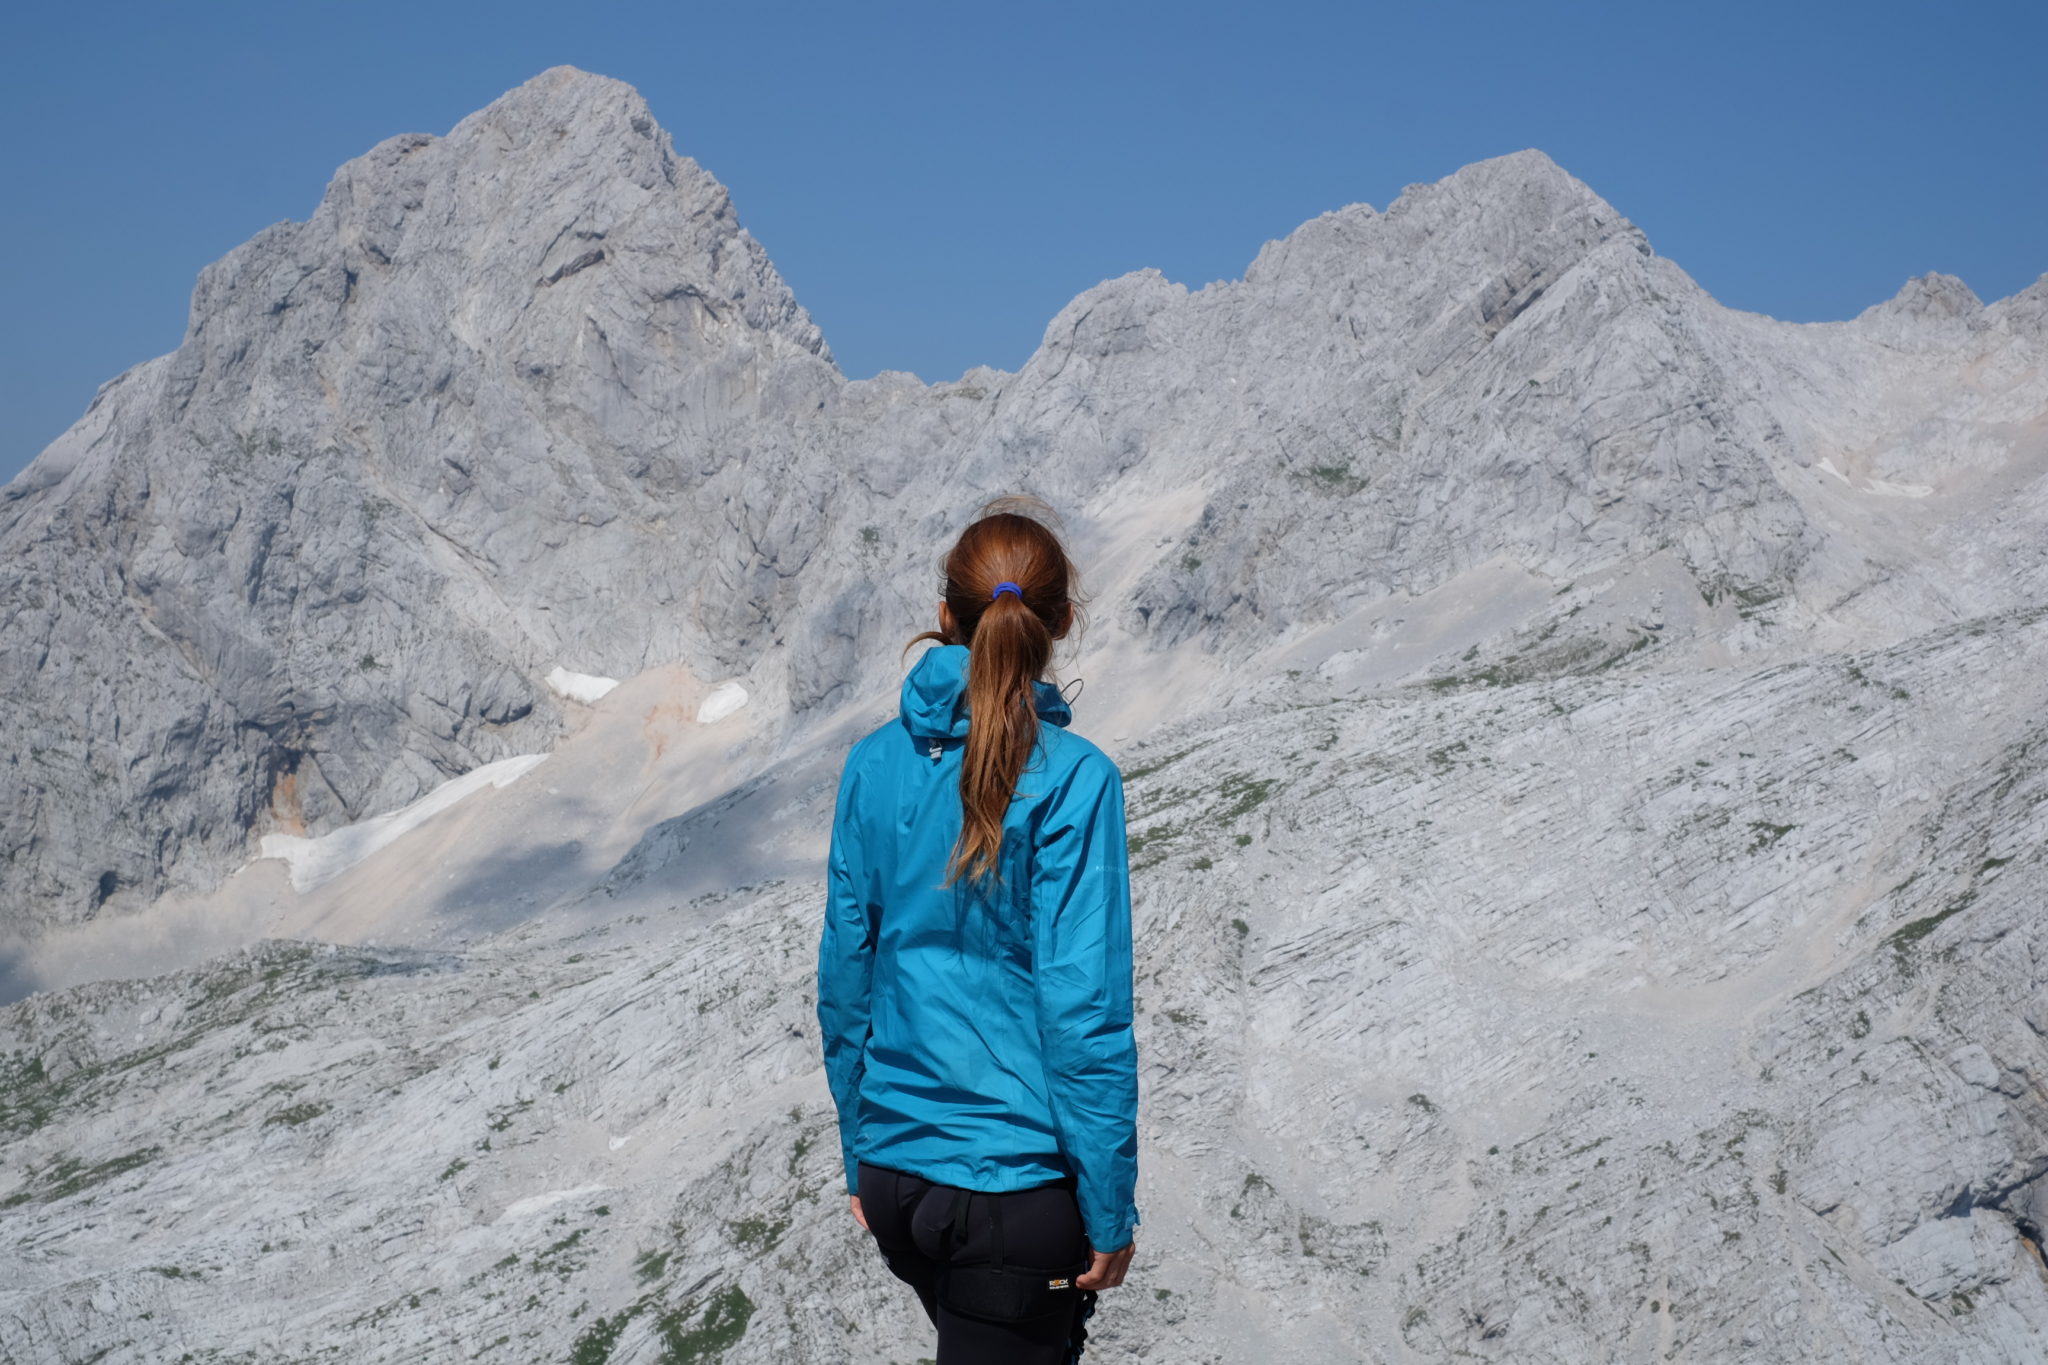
[[982, 1042]]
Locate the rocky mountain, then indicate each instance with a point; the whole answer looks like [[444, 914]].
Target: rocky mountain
[[1581, 744]]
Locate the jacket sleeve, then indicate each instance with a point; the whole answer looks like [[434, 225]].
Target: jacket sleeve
[[1081, 929], [846, 971]]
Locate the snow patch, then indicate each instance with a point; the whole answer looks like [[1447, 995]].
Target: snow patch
[[619, 1142], [314, 861], [724, 699], [583, 687], [1827, 466], [536, 1203]]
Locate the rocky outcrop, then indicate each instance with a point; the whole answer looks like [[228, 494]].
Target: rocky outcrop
[[493, 409], [1690, 1016], [528, 396]]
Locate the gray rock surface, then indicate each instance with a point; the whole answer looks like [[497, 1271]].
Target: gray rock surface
[[514, 398], [1582, 745]]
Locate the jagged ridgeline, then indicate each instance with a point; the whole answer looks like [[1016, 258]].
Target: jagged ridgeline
[[1583, 748]]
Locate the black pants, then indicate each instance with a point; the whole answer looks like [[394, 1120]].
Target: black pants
[[917, 1225]]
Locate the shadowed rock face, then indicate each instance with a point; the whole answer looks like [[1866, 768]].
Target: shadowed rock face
[[1582, 746]]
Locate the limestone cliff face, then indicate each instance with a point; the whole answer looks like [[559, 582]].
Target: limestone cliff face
[[1583, 749], [514, 397], [528, 395]]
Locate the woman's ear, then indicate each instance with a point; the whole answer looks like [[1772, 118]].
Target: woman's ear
[[946, 620], [1066, 621]]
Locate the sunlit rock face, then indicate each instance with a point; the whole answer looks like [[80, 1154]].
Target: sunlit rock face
[[1583, 749]]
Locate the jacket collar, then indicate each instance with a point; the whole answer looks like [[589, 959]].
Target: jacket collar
[[934, 701]]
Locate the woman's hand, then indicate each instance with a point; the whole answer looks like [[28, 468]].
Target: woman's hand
[[858, 1216], [1109, 1269]]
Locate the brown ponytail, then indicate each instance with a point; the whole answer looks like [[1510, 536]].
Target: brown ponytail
[[1010, 641]]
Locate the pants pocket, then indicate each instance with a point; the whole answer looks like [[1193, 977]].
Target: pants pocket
[[1008, 1293]]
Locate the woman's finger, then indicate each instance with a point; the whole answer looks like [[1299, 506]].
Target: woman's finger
[[1109, 1269]]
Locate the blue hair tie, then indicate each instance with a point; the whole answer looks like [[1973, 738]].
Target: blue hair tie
[[1006, 586]]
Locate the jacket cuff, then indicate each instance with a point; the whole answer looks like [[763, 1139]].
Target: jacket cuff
[[1116, 1235]]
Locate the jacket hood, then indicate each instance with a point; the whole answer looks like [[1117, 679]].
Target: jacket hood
[[935, 695]]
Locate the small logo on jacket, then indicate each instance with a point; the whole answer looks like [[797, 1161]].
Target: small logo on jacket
[[1059, 1284]]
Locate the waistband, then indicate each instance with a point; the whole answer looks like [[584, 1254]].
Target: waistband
[[1065, 1182]]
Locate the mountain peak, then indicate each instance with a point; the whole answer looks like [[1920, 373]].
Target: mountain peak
[[1526, 185], [1530, 165], [564, 133], [566, 99], [2027, 309], [561, 189], [1933, 295]]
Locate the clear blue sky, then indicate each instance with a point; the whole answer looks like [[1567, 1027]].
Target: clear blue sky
[[937, 180]]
